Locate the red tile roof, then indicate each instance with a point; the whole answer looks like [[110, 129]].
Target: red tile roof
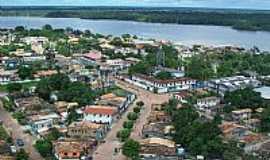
[[182, 94], [104, 110], [94, 55]]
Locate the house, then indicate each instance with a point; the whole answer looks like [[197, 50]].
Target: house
[[181, 96], [158, 116], [232, 130], [253, 124], [91, 58], [85, 129], [264, 150], [42, 123], [4, 157], [43, 74], [161, 130], [37, 40], [241, 115], [34, 58], [4, 148], [63, 106], [100, 114], [230, 84], [69, 150], [207, 103], [7, 76], [121, 103], [157, 147], [117, 64], [161, 86], [32, 104]]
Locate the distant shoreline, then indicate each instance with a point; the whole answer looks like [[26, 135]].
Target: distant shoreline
[[242, 19]]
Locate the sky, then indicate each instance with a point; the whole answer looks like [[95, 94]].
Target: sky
[[245, 4]]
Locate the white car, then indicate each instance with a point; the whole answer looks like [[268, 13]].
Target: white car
[[13, 149]]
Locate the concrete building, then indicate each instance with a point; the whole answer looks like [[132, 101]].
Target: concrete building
[[161, 86], [100, 114], [230, 84], [85, 129]]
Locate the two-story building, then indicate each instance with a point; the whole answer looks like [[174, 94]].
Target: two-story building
[[157, 147], [161, 86], [42, 123], [207, 103], [85, 129], [100, 114], [241, 115]]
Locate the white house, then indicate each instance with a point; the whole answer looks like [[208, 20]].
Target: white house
[[100, 114], [181, 96], [242, 114], [161, 86], [40, 40], [208, 102], [7, 76], [42, 123]]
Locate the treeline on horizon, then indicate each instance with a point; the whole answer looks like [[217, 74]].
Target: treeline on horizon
[[253, 20]]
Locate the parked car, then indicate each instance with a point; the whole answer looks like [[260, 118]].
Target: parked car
[[20, 142], [13, 149]]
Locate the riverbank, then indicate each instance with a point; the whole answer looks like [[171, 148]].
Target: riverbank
[[249, 20], [184, 34]]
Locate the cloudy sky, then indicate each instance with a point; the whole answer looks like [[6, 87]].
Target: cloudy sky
[[251, 4]]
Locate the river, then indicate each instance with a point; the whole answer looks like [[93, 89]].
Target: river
[[184, 34]]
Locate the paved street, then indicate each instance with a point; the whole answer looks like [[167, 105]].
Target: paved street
[[17, 133], [106, 150]]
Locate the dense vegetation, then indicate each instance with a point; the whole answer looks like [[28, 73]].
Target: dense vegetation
[[238, 19], [207, 66], [65, 90], [199, 137], [243, 98]]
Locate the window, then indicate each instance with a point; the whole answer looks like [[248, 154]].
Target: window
[[65, 153], [74, 154]]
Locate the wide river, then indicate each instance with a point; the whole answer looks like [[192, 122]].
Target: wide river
[[185, 34]]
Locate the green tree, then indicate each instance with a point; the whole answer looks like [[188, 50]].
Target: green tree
[[140, 103], [265, 120], [243, 98], [132, 116], [72, 116], [53, 135], [47, 27], [137, 109], [123, 134], [44, 147], [14, 87], [163, 75], [200, 68], [21, 155], [25, 72], [128, 124], [131, 149], [19, 29]]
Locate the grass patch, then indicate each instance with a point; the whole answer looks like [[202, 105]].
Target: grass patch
[[3, 133]]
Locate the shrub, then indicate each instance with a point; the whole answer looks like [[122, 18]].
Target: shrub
[[137, 110], [140, 103], [20, 117], [44, 147], [131, 149], [123, 134], [128, 124], [132, 116]]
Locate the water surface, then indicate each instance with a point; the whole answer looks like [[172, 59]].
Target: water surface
[[185, 34]]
